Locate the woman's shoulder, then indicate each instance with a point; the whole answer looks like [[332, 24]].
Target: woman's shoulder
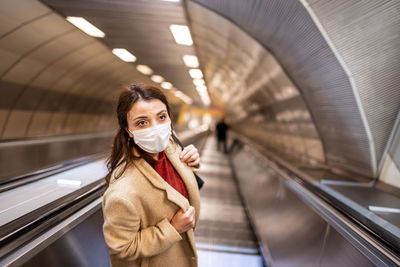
[[123, 180], [173, 146]]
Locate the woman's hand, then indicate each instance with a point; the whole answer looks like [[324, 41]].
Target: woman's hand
[[190, 155], [184, 221]]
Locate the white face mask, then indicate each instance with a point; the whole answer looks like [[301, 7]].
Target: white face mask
[[154, 139]]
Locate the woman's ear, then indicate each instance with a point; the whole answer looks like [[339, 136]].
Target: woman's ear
[[129, 132]]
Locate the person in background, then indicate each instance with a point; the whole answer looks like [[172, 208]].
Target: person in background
[[222, 128], [151, 203]]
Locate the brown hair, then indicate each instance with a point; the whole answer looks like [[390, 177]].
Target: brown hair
[[122, 150]]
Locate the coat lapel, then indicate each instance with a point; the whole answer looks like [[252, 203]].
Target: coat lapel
[[158, 182], [186, 173]]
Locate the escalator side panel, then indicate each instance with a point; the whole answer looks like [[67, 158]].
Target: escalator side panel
[[339, 252], [296, 235], [292, 233], [83, 245]]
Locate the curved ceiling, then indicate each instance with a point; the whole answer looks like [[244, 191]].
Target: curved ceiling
[[331, 51], [54, 79]]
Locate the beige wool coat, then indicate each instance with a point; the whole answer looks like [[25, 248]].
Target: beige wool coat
[[137, 210]]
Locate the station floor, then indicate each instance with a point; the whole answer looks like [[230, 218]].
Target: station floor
[[223, 234]]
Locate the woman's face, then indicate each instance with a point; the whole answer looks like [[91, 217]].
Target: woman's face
[[147, 113]]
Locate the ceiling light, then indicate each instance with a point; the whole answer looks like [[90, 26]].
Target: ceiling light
[[206, 101], [205, 98], [196, 73], [157, 78], [86, 26], [181, 34], [191, 61], [187, 100], [166, 85], [124, 54], [171, 0], [198, 82], [178, 94], [144, 69], [201, 88]]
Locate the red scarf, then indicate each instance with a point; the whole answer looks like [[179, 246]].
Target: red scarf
[[165, 169]]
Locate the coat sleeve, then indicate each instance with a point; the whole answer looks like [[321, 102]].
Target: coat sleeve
[[124, 237]]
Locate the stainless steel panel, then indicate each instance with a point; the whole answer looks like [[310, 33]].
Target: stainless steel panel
[[83, 245], [297, 234], [259, 186], [297, 224], [291, 233], [339, 252], [20, 157]]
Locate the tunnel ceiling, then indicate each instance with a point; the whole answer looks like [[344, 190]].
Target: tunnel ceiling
[[55, 79], [141, 27], [334, 52]]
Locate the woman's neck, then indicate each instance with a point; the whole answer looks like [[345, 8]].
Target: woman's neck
[[155, 156]]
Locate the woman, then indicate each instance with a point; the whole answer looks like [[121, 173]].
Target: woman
[[152, 201]]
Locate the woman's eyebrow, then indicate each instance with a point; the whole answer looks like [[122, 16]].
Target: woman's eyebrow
[[140, 117], [162, 111], [144, 116]]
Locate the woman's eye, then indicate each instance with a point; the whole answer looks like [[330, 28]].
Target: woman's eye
[[163, 117], [140, 123]]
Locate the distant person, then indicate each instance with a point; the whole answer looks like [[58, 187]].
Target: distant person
[[152, 201], [222, 127]]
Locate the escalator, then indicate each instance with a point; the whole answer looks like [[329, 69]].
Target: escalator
[[52, 217]]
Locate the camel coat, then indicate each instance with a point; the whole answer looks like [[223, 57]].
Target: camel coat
[[138, 208]]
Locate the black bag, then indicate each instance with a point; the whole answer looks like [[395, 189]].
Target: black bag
[[200, 181]]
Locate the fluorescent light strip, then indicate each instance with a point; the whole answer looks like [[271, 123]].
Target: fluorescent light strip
[[198, 82], [191, 61], [206, 101], [188, 100], [183, 97], [201, 88], [86, 26], [178, 94], [146, 70], [124, 54], [166, 85], [157, 78], [196, 73], [181, 34]]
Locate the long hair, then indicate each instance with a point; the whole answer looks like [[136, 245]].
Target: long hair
[[122, 150]]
